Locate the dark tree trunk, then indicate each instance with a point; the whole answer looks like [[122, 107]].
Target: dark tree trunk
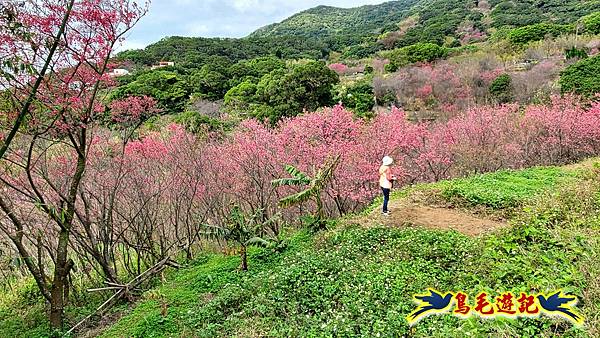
[[60, 283], [62, 263], [244, 256]]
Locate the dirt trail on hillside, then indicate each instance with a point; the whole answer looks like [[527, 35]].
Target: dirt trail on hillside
[[405, 213]]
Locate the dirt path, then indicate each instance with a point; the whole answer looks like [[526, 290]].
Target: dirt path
[[406, 214]]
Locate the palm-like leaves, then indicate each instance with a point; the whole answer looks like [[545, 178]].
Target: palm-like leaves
[[241, 228], [297, 198], [315, 184], [298, 178]]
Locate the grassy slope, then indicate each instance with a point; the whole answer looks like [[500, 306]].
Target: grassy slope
[[437, 18], [355, 282], [22, 312], [503, 189], [324, 21]]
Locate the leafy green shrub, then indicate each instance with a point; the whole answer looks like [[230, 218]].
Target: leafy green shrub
[[420, 52], [239, 98], [500, 34], [592, 23], [391, 67], [501, 88], [575, 53], [195, 122], [523, 35], [582, 77], [388, 99], [424, 52], [466, 49], [168, 88], [358, 97], [284, 92]]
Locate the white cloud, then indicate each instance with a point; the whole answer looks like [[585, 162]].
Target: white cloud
[[197, 29], [243, 5], [130, 44]]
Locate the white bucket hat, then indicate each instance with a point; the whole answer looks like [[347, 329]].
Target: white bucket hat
[[388, 160]]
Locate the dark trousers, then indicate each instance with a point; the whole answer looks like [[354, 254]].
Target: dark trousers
[[386, 198]]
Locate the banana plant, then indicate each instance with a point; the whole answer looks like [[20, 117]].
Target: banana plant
[[314, 186], [243, 229]]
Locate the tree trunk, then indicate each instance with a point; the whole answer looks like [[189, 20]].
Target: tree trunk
[[61, 271], [63, 264], [244, 256], [320, 215]]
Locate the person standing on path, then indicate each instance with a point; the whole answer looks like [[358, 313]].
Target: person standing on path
[[385, 182]]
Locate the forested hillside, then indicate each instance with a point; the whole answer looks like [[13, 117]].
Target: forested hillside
[[325, 21], [370, 48], [361, 31], [195, 52]]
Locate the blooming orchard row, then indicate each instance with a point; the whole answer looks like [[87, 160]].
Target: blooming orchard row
[[240, 168]]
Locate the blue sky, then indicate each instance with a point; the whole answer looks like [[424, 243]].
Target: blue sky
[[218, 18]]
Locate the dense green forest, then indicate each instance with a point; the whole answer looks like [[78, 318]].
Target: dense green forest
[[359, 31], [194, 52], [325, 21]]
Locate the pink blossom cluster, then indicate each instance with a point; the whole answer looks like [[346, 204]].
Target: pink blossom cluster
[[449, 87], [78, 63], [427, 86], [474, 35], [339, 68], [175, 180], [133, 109]]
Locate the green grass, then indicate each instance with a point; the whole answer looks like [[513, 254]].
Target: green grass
[[352, 281], [359, 282], [506, 188], [22, 312]]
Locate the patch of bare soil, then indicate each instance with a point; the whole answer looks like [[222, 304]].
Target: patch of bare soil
[[95, 329], [406, 214]]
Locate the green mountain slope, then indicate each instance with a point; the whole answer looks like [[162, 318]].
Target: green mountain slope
[[325, 21], [362, 31], [436, 19]]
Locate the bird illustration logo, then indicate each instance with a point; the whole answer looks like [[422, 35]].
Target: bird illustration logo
[[561, 305], [430, 303], [557, 304]]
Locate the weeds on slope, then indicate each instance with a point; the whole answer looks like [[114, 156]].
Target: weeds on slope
[[360, 282]]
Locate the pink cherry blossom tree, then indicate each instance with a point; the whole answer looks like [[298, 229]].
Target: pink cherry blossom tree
[[339, 68], [58, 57]]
